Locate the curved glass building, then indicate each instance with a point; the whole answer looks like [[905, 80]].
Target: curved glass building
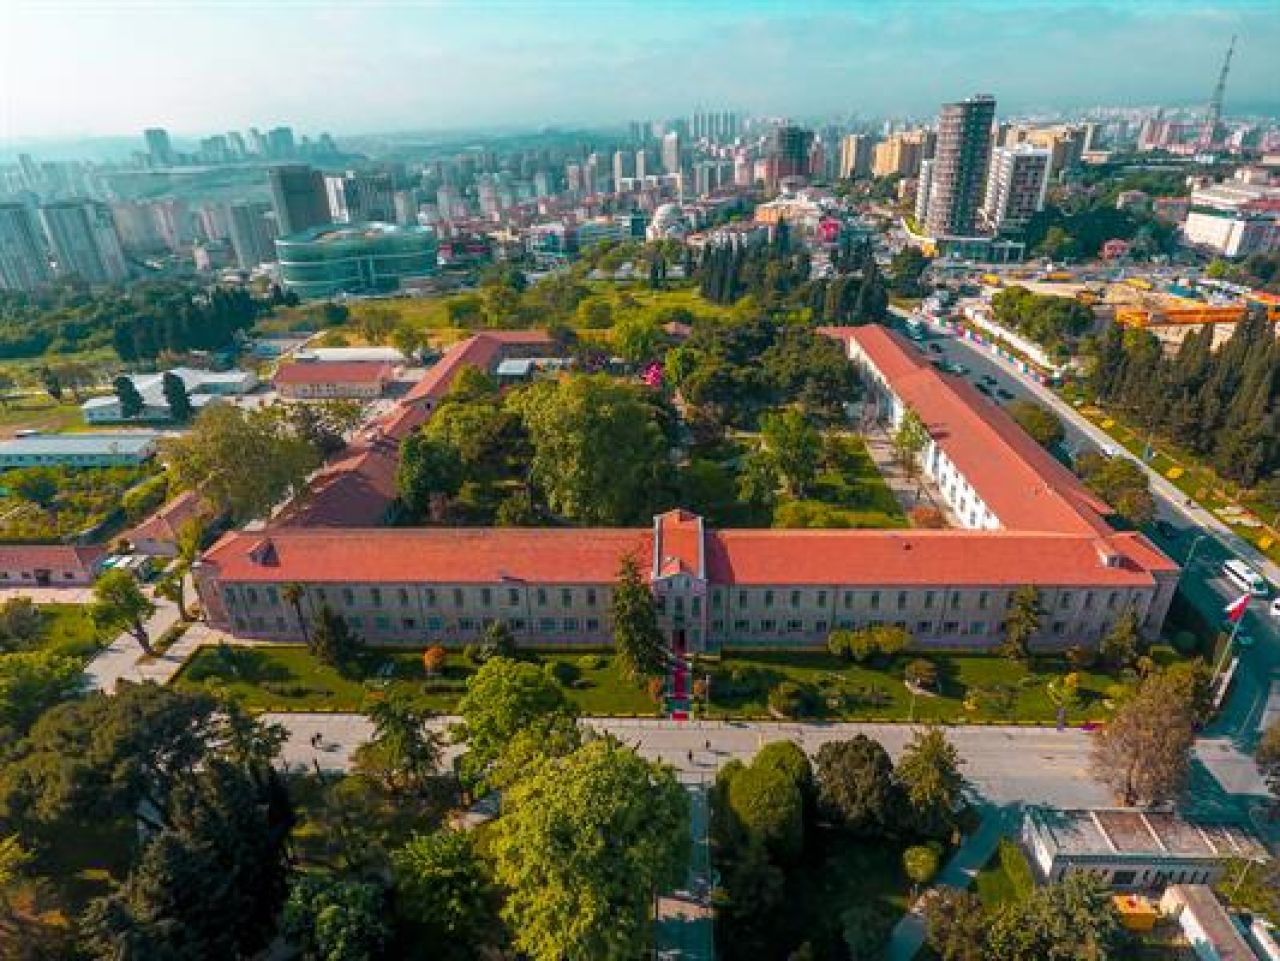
[[359, 258]]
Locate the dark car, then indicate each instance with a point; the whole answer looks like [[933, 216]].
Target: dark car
[[935, 348], [1004, 393]]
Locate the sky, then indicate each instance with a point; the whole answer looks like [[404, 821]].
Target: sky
[[93, 68]]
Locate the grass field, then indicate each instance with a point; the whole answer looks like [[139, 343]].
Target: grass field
[[1006, 877], [68, 629], [38, 412], [289, 678]]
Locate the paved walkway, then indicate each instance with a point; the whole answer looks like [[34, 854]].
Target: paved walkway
[[49, 595], [685, 927], [123, 658], [908, 492]]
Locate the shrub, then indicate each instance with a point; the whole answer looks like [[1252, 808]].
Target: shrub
[[1081, 658], [141, 500], [433, 659], [1014, 864], [591, 662], [1185, 643], [791, 699], [562, 672], [656, 687], [927, 516]]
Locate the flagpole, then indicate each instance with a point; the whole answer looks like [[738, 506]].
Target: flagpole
[[1231, 641]]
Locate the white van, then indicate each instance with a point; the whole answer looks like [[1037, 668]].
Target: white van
[[1246, 578]]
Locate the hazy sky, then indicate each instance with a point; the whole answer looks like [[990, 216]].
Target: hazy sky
[[101, 67]]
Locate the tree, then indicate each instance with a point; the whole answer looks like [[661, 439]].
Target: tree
[[856, 786], [929, 775], [637, 338], [920, 862], [120, 605], [956, 924], [641, 646], [36, 485], [1121, 483], [585, 843], [1267, 757], [511, 704], [1073, 919], [1044, 426], [31, 682], [443, 891], [1021, 623], [242, 462], [795, 448], [131, 403], [909, 440], [429, 474], [175, 395], [498, 640], [173, 586], [52, 382], [865, 928], [599, 447], [331, 919], [433, 659], [403, 755], [1144, 754], [292, 594], [1120, 647], [20, 621], [333, 641], [766, 801]]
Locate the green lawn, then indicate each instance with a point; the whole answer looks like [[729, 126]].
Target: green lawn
[[1006, 877], [289, 678], [38, 412], [997, 690], [68, 629], [848, 492]]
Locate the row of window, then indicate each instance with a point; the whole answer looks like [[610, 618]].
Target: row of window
[[382, 622], [378, 597]]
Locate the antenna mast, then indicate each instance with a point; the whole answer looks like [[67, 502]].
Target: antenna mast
[[1210, 131]]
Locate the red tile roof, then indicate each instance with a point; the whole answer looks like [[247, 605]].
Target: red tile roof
[[55, 557], [482, 350], [454, 555], [334, 372], [166, 523], [680, 543]]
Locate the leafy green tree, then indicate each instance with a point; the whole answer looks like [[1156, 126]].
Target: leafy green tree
[[1120, 647], [1121, 483], [909, 440], [173, 586], [920, 862], [333, 641], [865, 929], [36, 485], [637, 337], [599, 449], [1073, 919], [403, 755], [330, 919], [120, 605], [20, 622], [795, 447], [429, 474], [131, 402], [31, 682], [242, 462], [1267, 757], [1021, 623], [1144, 753], [175, 396], [769, 805], [585, 843], [929, 775], [444, 892], [498, 641], [1044, 426], [856, 786], [504, 701], [292, 594], [641, 646], [956, 925], [51, 382]]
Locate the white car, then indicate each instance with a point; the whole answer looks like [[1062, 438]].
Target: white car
[[1275, 607]]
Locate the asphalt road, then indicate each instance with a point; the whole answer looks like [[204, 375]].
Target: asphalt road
[[1202, 581]]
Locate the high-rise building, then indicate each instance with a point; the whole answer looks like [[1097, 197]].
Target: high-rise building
[[360, 195], [788, 153], [901, 154], [280, 143], [643, 167], [855, 155], [298, 198], [624, 167], [136, 224], [23, 264], [159, 149], [960, 166], [252, 234], [924, 186], [84, 241], [173, 222], [1016, 186], [671, 153]]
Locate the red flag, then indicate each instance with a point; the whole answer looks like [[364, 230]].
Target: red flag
[[1235, 610]]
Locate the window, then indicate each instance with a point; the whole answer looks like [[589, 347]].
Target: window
[[1059, 628], [977, 628], [593, 625], [382, 622], [542, 597], [431, 597], [678, 604], [228, 595], [768, 598], [566, 597], [348, 596], [848, 600], [459, 598], [486, 597], [695, 606], [279, 623], [768, 625], [928, 599], [742, 598], [517, 624], [513, 597], [822, 598], [717, 600], [795, 599], [795, 626], [591, 597], [955, 600], [273, 597], [252, 594], [547, 625], [1064, 601], [1112, 600], [875, 600], [571, 625], [435, 624], [741, 626], [924, 627], [466, 624], [983, 599], [951, 627], [902, 600], [408, 623], [355, 622], [375, 596], [404, 597], [820, 627], [717, 627], [1088, 600]]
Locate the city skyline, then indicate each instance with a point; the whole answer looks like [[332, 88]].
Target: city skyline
[[442, 66]]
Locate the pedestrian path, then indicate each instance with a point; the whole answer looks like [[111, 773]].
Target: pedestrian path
[[685, 926], [123, 659], [976, 850]]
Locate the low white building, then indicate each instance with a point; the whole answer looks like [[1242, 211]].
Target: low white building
[[1209, 929], [98, 449], [1131, 849], [203, 388], [1234, 219]]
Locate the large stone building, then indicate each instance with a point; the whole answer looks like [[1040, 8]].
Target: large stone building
[[1026, 520]]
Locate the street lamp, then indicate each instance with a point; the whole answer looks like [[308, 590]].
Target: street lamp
[[1187, 561]]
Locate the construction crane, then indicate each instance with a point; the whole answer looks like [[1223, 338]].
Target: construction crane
[[1209, 133]]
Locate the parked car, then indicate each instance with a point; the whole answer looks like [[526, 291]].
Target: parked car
[[1275, 607], [1004, 393]]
